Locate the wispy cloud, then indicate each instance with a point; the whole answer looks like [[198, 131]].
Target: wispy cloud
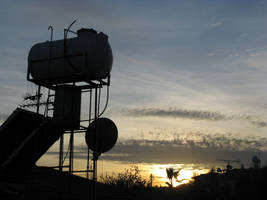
[[176, 113], [191, 114], [3, 117], [204, 148], [216, 24], [256, 121]]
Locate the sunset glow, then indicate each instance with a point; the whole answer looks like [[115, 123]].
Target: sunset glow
[[183, 81], [185, 174]]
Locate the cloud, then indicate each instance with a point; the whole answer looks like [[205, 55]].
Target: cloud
[[3, 117], [175, 113], [191, 114], [259, 123], [197, 148], [170, 45], [216, 24], [256, 121]]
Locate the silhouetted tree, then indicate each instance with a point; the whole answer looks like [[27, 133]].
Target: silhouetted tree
[[219, 170], [228, 168], [212, 170], [256, 162], [128, 179], [171, 173], [150, 183]]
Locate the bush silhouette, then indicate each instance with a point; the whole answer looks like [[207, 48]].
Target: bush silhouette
[[129, 178]]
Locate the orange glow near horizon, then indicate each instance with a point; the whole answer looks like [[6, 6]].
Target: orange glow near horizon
[[187, 171], [185, 176]]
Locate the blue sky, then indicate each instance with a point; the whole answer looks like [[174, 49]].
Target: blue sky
[[185, 57]]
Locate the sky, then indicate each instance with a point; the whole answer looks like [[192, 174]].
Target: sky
[[188, 83]]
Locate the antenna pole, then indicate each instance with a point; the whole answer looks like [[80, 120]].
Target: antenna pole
[[51, 33], [61, 145], [88, 150], [71, 138], [71, 153], [95, 152], [38, 98]]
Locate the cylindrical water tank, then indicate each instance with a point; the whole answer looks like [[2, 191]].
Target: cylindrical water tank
[[83, 58]]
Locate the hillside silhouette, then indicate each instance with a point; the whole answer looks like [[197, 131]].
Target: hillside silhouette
[[46, 183]]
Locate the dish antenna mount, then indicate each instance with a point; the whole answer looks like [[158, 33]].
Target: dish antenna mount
[[101, 136]]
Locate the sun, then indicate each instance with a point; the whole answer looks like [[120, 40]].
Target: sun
[[185, 176]]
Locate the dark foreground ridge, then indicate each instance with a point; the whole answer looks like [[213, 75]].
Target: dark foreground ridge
[[47, 183]]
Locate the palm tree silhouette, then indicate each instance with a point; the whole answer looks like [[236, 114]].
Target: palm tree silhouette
[[171, 173]]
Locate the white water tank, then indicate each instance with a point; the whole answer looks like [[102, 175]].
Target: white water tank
[[83, 58]]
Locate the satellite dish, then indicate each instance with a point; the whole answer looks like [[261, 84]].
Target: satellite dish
[[102, 133]]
